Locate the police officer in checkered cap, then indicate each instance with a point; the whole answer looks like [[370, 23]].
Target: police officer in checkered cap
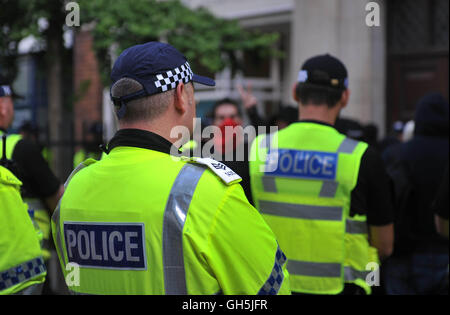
[[143, 221]]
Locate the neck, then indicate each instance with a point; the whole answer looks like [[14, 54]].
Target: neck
[[163, 130], [320, 113]]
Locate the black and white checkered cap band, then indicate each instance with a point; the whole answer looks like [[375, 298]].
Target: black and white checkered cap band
[[170, 79], [5, 90]]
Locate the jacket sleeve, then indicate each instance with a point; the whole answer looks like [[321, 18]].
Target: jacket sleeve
[[244, 253]]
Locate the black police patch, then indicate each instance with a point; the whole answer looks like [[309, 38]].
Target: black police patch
[[106, 245]]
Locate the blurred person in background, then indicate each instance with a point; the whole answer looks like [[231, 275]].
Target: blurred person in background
[[286, 115], [30, 131], [91, 147], [408, 131], [232, 151], [227, 113], [371, 135], [22, 268], [350, 127], [41, 189], [419, 264], [394, 137], [441, 207]]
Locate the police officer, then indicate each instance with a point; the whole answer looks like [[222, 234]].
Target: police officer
[[91, 145], [22, 269], [41, 189], [144, 221], [322, 193]]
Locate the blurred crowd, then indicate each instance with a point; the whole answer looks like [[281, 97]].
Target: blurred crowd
[[415, 154]]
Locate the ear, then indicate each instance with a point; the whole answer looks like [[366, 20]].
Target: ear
[[180, 98], [294, 93], [345, 98], [2, 107]]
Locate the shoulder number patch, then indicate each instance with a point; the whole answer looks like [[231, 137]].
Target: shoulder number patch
[[224, 172]]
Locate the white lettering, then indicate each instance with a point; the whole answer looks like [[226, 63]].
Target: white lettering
[[373, 278], [72, 241], [73, 276], [112, 251], [287, 157], [85, 235], [326, 165], [183, 135], [129, 246], [298, 159], [193, 305], [373, 17], [105, 246], [311, 164], [94, 255], [73, 18], [305, 156]]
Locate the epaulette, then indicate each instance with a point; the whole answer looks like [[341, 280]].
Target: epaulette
[[8, 178], [226, 174]]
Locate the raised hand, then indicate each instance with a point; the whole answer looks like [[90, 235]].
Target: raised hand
[[248, 99]]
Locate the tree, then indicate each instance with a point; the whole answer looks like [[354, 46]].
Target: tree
[[20, 18], [210, 41]]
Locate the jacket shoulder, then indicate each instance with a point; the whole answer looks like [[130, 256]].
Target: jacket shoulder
[[8, 178], [225, 174]]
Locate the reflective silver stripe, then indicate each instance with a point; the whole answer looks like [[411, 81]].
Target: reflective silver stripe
[[56, 221], [71, 292], [329, 189], [21, 273], [356, 227], [174, 218], [275, 280], [314, 269], [35, 289], [297, 211], [348, 146], [266, 142], [56, 213], [269, 184], [351, 274], [35, 204], [76, 170]]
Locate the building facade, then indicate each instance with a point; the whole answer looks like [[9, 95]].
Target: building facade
[[391, 64]]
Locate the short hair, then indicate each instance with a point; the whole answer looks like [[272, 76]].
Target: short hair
[[223, 102], [145, 108], [318, 95]]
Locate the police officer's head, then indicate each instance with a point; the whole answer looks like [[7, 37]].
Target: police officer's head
[[152, 84], [6, 104], [322, 82]]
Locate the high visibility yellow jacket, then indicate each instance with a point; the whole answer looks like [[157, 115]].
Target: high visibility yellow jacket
[[21, 262], [41, 215], [11, 142], [301, 179], [141, 222], [83, 155]]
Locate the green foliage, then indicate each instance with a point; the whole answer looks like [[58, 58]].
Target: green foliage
[[206, 40], [19, 19], [209, 41]]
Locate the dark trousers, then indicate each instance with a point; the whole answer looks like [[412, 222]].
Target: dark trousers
[[422, 273], [349, 289]]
